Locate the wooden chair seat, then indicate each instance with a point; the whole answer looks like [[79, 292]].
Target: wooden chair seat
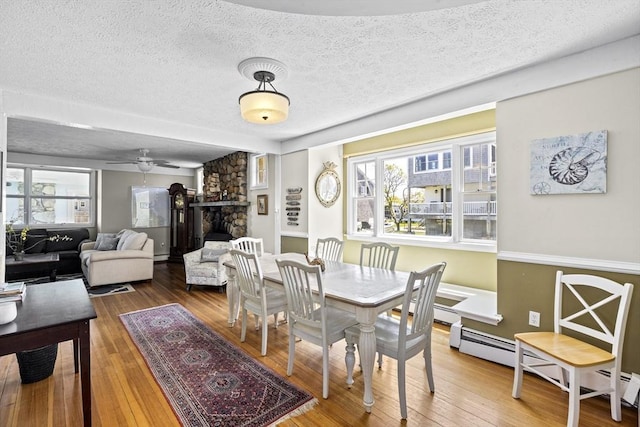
[[567, 349]]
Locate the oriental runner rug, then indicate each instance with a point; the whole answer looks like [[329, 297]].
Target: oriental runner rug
[[207, 380]]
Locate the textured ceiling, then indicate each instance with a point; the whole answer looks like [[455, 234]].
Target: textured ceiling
[[177, 60]]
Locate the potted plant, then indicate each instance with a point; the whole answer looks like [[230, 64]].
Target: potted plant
[[17, 240]]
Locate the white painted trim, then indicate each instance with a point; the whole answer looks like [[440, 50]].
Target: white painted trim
[[562, 261], [294, 234]]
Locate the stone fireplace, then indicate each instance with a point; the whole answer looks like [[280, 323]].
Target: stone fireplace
[[224, 208]]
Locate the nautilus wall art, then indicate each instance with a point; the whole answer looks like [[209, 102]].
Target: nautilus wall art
[[573, 164]]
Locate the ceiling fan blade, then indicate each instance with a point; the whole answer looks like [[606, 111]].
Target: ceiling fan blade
[[166, 166], [122, 163]]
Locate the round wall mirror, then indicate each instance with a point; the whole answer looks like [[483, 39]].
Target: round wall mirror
[[328, 185]]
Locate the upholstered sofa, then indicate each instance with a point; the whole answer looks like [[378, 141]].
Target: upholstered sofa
[[205, 267], [67, 249], [126, 256]]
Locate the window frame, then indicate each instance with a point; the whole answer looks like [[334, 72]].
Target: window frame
[[259, 171], [27, 197], [456, 241]]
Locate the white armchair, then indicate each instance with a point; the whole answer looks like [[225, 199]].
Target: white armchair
[[203, 272]]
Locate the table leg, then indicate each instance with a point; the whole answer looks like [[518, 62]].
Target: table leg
[[53, 274], [76, 354], [367, 351], [85, 371], [350, 362], [232, 297]]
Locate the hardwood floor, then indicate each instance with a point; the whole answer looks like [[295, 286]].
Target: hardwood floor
[[469, 391]]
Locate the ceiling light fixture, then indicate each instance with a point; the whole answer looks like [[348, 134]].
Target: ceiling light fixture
[[263, 106], [145, 166]]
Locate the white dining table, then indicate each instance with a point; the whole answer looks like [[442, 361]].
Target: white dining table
[[365, 291]]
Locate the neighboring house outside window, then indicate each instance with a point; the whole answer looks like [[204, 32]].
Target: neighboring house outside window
[[439, 192], [49, 196]]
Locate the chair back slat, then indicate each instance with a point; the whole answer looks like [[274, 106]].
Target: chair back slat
[[303, 287], [423, 299], [579, 303], [379, 254], [330, 249], [249, 273], [252, 245]]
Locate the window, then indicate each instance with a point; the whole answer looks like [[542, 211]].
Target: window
[[468, 155], [432, 161], [363, 200], [420, 163], [259, 171], [439, 193], [446, 160], [45, 197]]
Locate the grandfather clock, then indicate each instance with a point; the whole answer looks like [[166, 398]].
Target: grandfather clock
[[182, 233]]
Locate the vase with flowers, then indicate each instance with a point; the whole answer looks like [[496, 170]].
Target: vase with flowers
[[17, 240]]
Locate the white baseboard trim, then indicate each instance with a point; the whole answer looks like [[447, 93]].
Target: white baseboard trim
[[501, 350]]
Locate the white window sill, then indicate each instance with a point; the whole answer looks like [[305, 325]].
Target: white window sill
[[489, 247]]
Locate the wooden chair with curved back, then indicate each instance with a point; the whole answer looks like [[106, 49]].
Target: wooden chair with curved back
[[329, 249], [582, 305], [254, 296], [308, 316], [401, 339], [379, 254], [252, 245]]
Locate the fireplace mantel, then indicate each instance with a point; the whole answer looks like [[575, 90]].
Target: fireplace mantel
[[218, 204]]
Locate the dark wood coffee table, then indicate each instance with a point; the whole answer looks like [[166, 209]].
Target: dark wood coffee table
[[49, 315], [32, 263]]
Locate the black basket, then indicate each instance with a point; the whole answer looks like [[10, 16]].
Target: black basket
[[37, 364]]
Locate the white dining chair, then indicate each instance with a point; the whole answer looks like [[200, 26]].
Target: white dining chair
[[254, 296], [329, 249], [309, 317], [379, 255], [252, 245], [397, 338], [579, 311]]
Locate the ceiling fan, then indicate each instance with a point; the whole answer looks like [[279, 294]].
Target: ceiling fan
[[146, 163]]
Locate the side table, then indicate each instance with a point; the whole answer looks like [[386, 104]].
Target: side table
[[45, 262]]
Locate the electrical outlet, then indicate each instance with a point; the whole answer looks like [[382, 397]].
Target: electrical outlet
[[534, 319]]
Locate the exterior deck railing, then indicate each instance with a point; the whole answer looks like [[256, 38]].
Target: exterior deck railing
[[444, 208]]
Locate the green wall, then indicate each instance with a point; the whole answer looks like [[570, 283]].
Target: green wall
[[524, 286], [293, 244], [473, 269]]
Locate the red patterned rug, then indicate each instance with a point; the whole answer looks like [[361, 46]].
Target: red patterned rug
[[207, 380]]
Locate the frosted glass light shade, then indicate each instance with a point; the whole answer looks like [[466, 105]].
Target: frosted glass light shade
[[264, 107], [145, 166]]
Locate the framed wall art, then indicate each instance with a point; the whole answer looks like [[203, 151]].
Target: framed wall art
[[571, 164], [263, 204]]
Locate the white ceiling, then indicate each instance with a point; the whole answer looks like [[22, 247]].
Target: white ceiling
[[176, 61]]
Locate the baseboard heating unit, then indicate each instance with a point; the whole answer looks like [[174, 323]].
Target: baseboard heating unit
[[501, 350]]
